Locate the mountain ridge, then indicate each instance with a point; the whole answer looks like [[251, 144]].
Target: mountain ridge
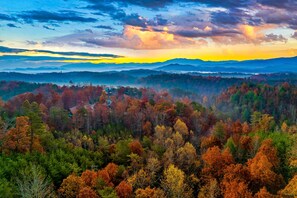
[[283, 64]]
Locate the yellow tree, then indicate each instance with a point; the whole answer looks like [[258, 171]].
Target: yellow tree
[[284, 127], [140, 179], [262, 122], [210, 190], [174, 183], [186, 157], [291, 189], [182, 128], [152, 167]]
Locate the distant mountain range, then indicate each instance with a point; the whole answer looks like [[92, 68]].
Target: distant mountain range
[[173, 66]]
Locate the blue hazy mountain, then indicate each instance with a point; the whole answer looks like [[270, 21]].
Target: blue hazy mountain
[[174, 65]]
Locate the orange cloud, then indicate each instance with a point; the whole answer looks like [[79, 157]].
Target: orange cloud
[[255, 34], [146, 39], [250, 34], [150, 39]]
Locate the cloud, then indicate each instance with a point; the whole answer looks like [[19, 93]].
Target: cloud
[[274, 38], [240, 11], [278, 16], [140, 39], [135, 20], [31, 42], [158, 20], [10, 50], [48, 17], [232, 17], [5, 17], [238, 35], [256, 35], [294, 35], [206, 32], [227, 21], [284, 4], [73, 39], [12, 25], [159, 4], [189, 21], [48, 28], [104, 7], [84, 55], [111, 5], [104, 27]]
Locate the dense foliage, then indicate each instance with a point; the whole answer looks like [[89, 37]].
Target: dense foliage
[[94, 141], [242, 101]]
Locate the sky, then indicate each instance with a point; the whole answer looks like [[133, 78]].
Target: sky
[[146, 30]]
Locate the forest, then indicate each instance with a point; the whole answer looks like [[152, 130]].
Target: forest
[[124, 142]]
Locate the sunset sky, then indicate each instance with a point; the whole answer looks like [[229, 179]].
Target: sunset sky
[[148, 30]]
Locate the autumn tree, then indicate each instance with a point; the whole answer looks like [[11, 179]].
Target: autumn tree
[[136, 147], [216, 161], [235, 181], [234, 189], [71, 186], [270, 151], [68, 98], [182, 128], [87, 192], [136, 162], [263, 193], [211, 189], [101, 115], [175, 141], [103, 179], [124, 190], [208, 142], [262, 173], [89, 177], [262, 122], [291, 189], [19, 139], [161, 134], [153, 166], [112, 169], [174, 183], [149, 193], [33, 112], [187, 158], [147, 128], [140, 179]]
